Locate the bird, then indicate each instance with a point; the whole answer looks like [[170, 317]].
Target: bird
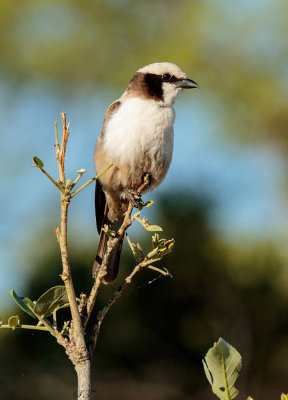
[[137, 137]]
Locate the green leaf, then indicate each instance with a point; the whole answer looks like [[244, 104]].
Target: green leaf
[[155, 239], [148, 203], [22, 302], [222, 364], [14, 321], [38, 162], [132, 247], [151, 228], [29, 303], [51, 300]]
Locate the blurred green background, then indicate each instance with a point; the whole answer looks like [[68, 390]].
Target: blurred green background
[[224, 200]]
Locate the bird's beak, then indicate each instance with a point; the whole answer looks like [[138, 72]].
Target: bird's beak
[[187, 84]]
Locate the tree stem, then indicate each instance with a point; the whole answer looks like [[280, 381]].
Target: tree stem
[[83, 370], [76, 347], [66, 274]]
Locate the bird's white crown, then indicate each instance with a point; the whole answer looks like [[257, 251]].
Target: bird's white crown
[[162, 68]]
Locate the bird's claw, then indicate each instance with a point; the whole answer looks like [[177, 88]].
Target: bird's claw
[[134, 198]]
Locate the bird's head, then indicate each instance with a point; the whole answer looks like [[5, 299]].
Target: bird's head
[[160, 81]]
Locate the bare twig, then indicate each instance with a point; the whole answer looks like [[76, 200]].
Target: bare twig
[[65, 134], [113, 299], [56, 135], [144, 263], [23, 326], [91, 180], [47, 174]]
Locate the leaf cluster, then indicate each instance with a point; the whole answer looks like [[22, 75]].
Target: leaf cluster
[[48, 304]]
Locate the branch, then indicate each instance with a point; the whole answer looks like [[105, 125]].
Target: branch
[[77, 334], [144, 263], [91, 180], [34, 327], [39, 164], [112, 242], [65, 134], [53, 330], [113, 299]]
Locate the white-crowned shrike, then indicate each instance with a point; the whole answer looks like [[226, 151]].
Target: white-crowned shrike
[[137, 137]]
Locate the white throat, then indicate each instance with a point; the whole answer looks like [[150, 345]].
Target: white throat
[[170, 92], [140, 126]]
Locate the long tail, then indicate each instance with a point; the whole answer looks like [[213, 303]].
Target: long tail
[[114, 259], [102, 219]]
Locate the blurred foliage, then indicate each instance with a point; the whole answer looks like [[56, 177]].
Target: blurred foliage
[[236, 51], [152, 342]]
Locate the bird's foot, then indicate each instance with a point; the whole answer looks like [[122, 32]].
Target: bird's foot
[[147, 181], [134, 198]]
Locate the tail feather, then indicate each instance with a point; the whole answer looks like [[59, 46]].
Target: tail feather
[[101, 209], [114, 259], [100, 204]]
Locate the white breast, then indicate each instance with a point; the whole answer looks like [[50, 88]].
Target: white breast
[[140, 127]]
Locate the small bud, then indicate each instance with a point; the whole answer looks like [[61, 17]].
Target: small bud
[[81, 171]]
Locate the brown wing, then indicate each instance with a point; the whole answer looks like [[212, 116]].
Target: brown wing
[[111, 110], [100, 200], [101, 211]]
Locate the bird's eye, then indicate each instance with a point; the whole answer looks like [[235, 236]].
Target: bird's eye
[[166, 77]]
